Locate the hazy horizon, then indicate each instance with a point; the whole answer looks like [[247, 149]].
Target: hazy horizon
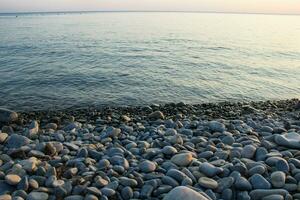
[[230, 6]]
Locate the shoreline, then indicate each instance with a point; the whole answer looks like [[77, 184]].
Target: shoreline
[[240, 150]]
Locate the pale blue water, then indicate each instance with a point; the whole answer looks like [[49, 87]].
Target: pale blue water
[[60, 60]]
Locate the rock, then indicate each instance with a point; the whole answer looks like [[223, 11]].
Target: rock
[[259, 182], [113, 132], [37, 196], [147, 166], [146, 191], [169, 150], [16, 141], [209, 169], [5, 188], [128, 181], [229, 140], [248, 151], [242, 184], [183, 192], [30, 164], [216, 126], [127, 193], [208, 183], [278, 179], [8, 116], [52, 126], [261, 193], [108, 192], [289, 140], [182, 159], [3, 137], [282, 165], [176, 174], [156, 115], [273, 197], [12, 179], [33, 128], [5, 197], [74, 197]]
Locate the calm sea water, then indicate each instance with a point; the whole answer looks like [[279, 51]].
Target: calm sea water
[[54, 61]]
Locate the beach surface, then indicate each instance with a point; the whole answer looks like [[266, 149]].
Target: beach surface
[[171, 152]]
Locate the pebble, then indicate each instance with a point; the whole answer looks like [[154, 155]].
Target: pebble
[[16, 141], [205, 152], [37, 196], [208, 183], [5, 197], [169, 150], [8, 115], [216, 126], [248, 151], [209, 169], [273, 197], [183, 192], [147, 166], [12, 179], [3, 137], [156, 115], [259, 182], [278, 179], [182, 159]]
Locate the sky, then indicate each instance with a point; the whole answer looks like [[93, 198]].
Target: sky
[[241, 6]]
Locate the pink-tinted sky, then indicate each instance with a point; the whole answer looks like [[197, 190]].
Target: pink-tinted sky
[[247, 6]]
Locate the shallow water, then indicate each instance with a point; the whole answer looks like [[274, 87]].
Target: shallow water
[[51, 61]]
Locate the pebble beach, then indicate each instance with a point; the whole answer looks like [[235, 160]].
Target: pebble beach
[[209, 151]]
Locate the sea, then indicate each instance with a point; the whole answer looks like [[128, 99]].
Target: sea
[[69, 60]]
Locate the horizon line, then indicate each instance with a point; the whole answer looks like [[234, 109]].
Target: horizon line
[[146, 11]]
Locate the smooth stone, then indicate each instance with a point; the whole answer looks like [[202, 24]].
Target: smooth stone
[[33, 128], [94, 191], [259, 182], [146, 191], [169, 150], [156, 115], [243, 195], [3, 137], [127, 193], [169, 181], [225, 183], [273, 197], [5, 197], [282, 165], [242, 184], [229, 140], [248, 151], [7, 116], [23, 184], [37, 196], [216, 126], [128, 181], [108, 191], [260, 193], [278, 179], [147, 166], [209, 169], [289, 140], [176, 174], [208, 183], [5, 188], [182, 192], [259, 169], [182, 159], [16, 141], [12, 179], [90, 197], [74, 197], [52, 126], [227, 194]]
